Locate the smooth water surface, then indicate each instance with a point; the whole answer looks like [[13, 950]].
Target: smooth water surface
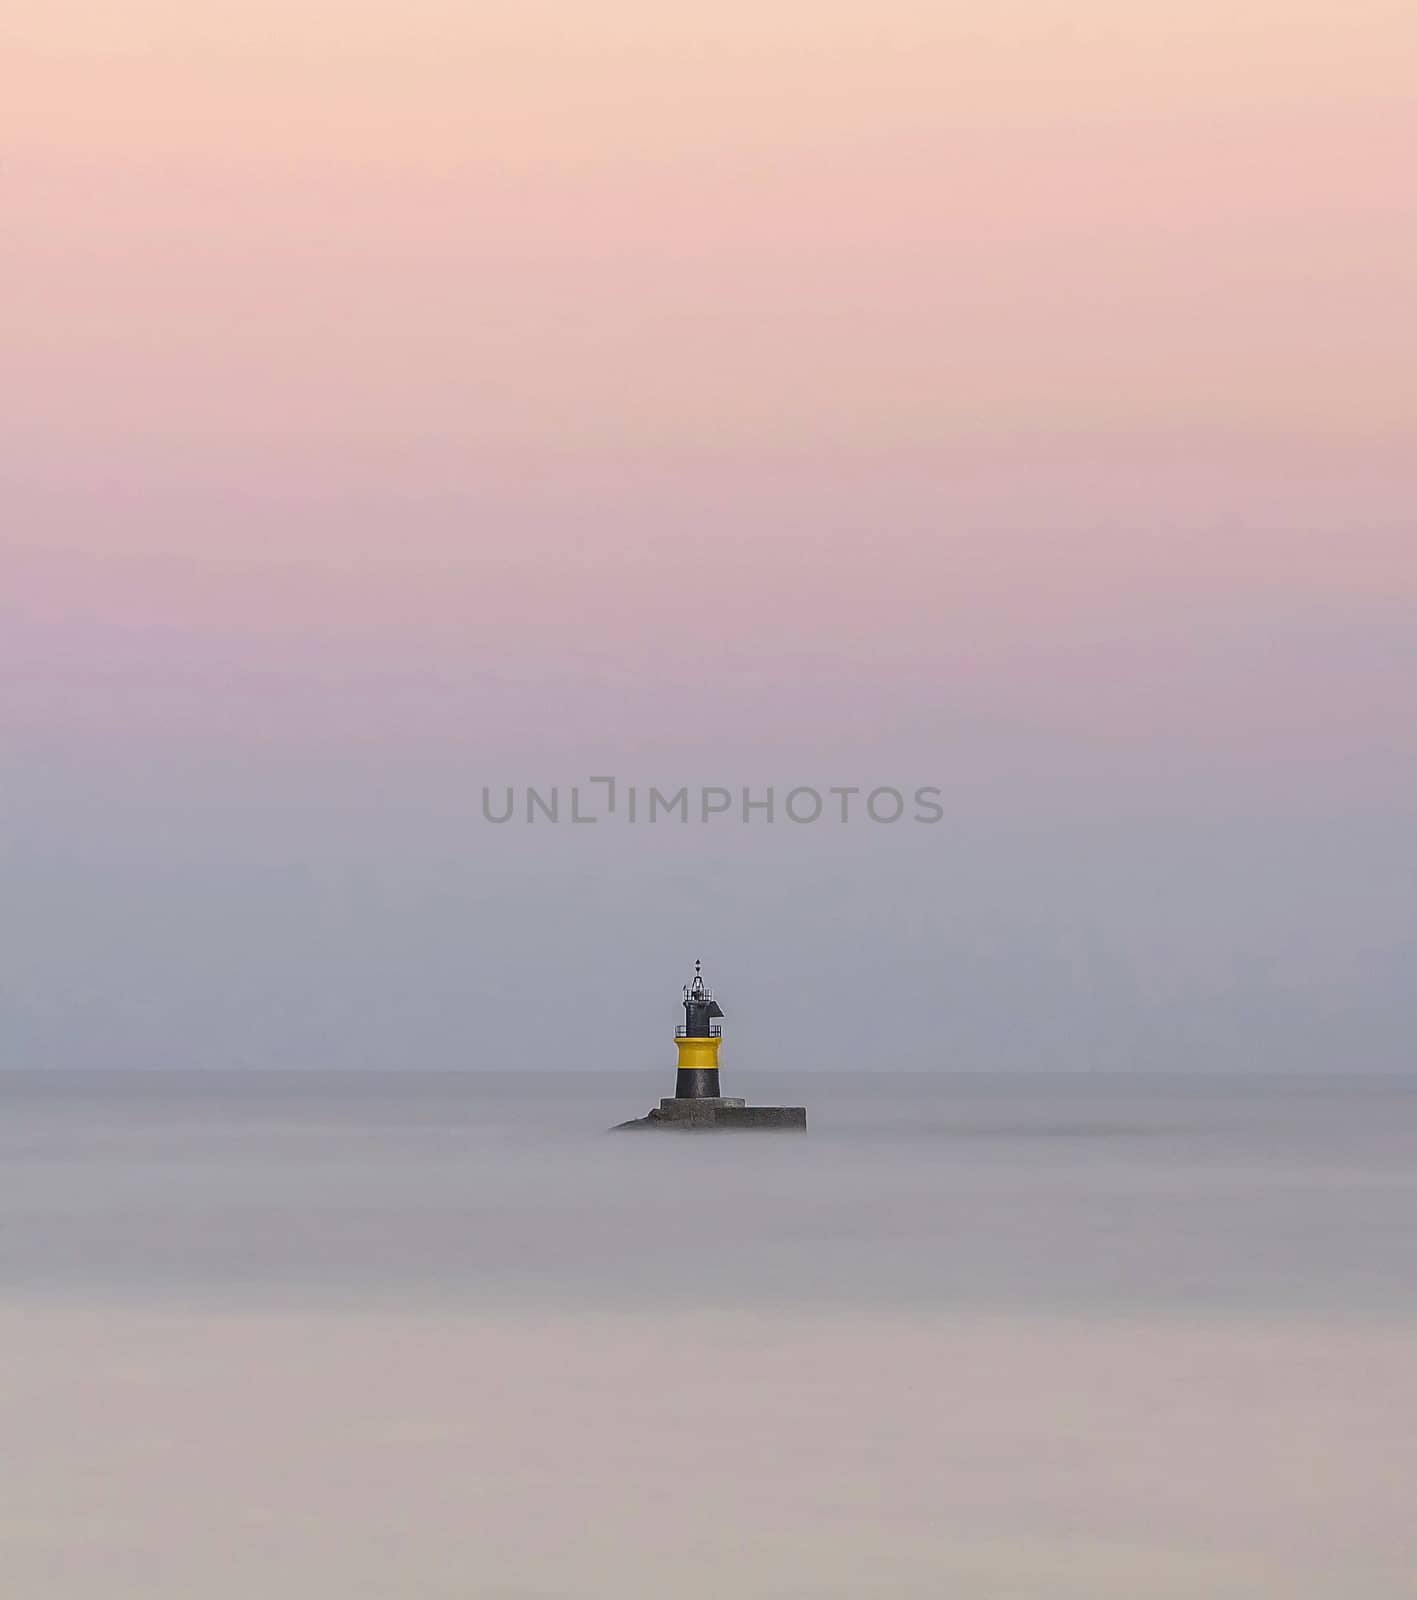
[[324, 1335]]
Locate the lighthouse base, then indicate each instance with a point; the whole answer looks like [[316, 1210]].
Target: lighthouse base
[[712, 1114]]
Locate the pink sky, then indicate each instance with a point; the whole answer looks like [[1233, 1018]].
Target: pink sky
[[1003, 360], [405, 397]]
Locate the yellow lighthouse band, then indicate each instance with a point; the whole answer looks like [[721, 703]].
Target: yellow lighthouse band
[[698, 1055]]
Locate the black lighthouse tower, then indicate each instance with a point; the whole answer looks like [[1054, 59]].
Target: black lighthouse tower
[[698, 1040], [696, 1105]]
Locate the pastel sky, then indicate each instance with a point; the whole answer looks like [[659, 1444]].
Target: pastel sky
[[1019, 399]]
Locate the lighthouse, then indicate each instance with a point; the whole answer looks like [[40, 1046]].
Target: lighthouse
[[698, 1038], [697, 1106]]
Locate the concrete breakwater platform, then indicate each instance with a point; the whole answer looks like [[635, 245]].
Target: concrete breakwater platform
[[718, 1114]]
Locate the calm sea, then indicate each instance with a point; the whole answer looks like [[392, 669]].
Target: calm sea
[[420, 1335]]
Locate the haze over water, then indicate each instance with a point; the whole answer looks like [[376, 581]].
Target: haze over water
[[326, 1335]]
